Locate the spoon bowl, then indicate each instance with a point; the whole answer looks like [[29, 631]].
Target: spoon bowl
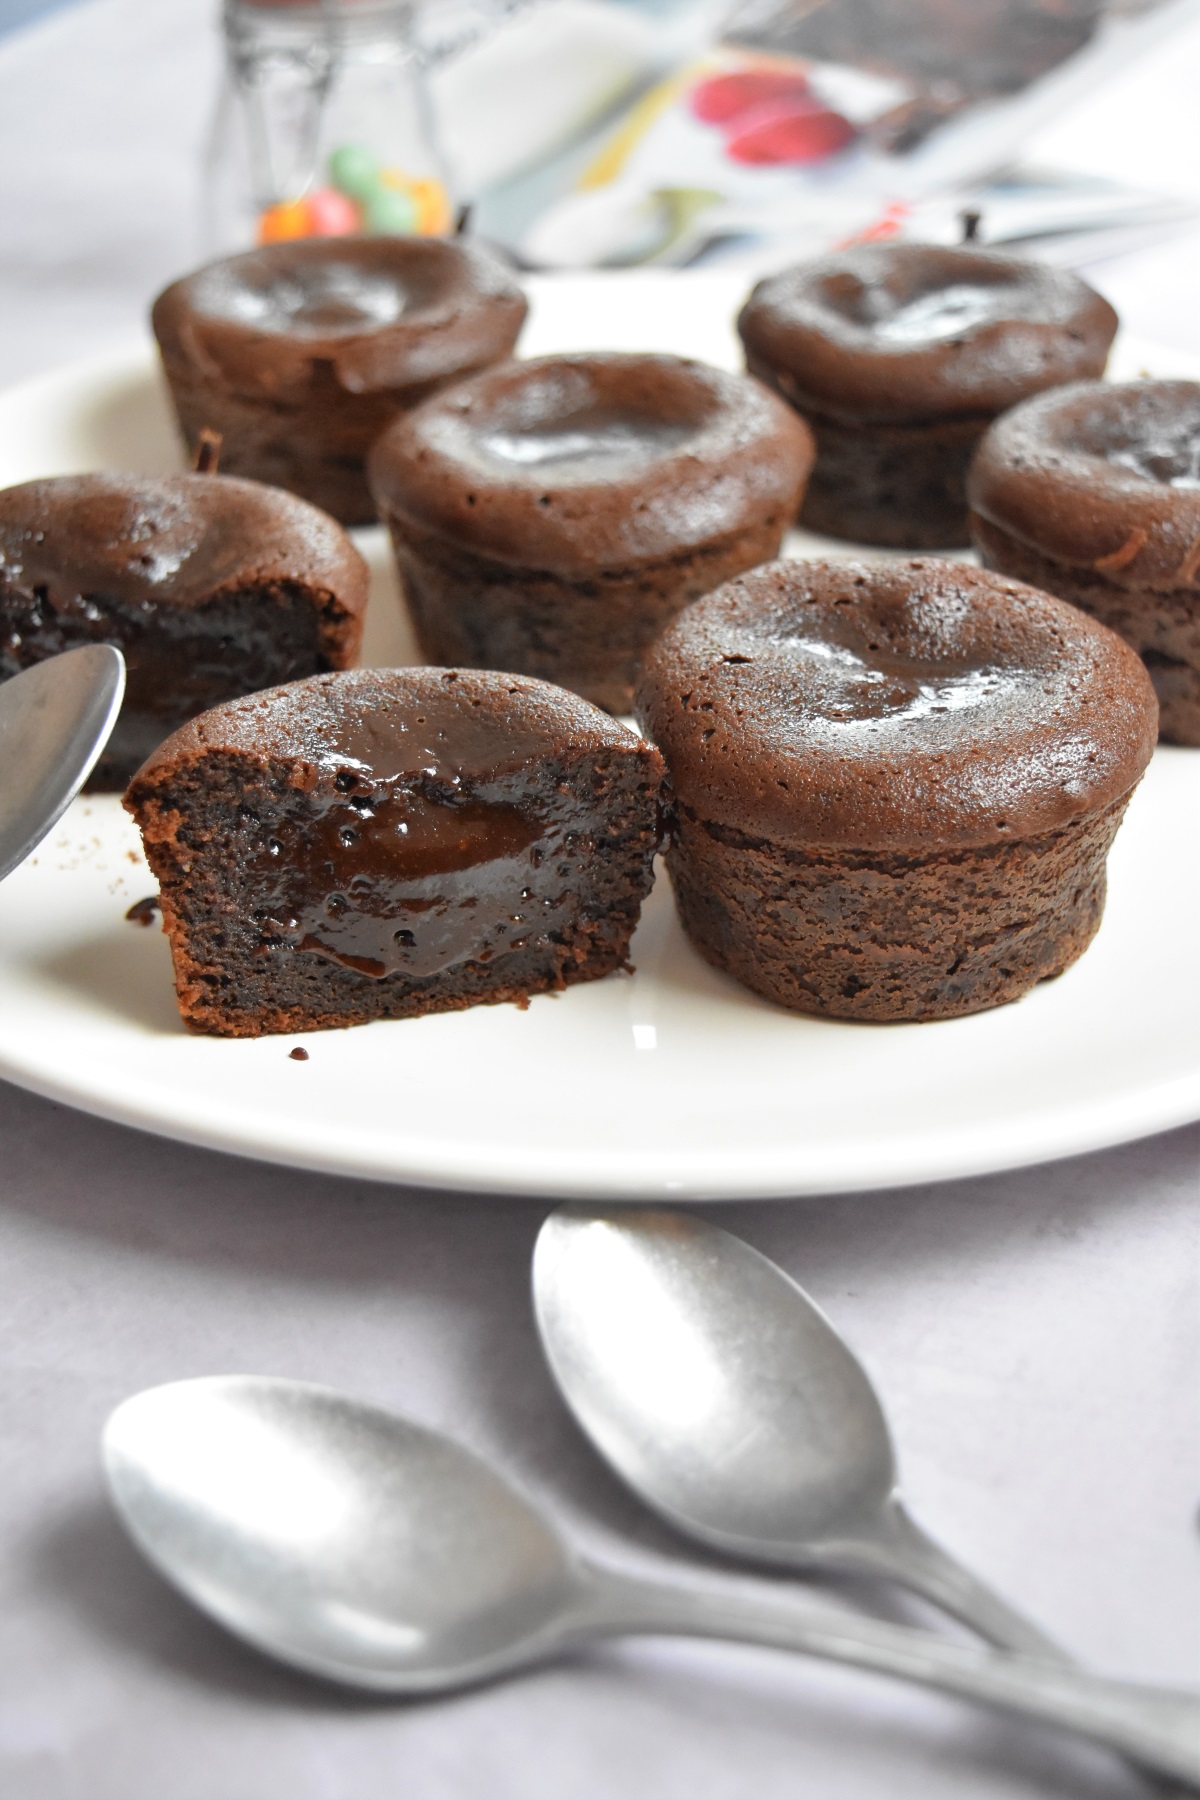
[[55, 719], [349, 1542], [727, 1401], [750, 1425]]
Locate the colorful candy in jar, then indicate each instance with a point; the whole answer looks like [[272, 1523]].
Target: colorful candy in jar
[[363, 195]]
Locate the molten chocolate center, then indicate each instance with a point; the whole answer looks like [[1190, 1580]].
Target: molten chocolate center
[[389, 880]]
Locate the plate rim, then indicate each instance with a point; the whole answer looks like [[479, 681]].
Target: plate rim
[[1160, 1107]]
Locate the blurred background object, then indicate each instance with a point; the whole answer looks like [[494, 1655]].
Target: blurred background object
[[794, 127], [323, 126], [14, 13], [993, 49], [618, 133], [544, 73]]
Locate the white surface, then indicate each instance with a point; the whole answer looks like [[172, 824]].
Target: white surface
[[682, 1083], [1035, 1337]]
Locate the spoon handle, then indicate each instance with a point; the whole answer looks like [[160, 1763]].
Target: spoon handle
[[902, 1552], [1157, 1727]]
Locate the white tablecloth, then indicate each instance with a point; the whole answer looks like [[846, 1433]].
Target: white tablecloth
[[1035, 1335]]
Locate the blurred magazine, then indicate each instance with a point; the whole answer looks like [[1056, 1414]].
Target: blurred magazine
[[813, 123]]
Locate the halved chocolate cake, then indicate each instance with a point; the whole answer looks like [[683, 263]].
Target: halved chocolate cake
[[383, 843], [209, 586]]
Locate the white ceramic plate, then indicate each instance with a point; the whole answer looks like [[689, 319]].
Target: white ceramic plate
[[674, 1081]]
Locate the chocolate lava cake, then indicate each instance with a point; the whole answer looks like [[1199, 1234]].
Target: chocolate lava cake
[[900, 356], [380, 844], [300, 353], [895, 783], [550, 516], [209, 586], [1093, 493]]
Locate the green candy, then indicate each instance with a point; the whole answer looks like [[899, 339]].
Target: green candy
[[389, 212], [354, 171]]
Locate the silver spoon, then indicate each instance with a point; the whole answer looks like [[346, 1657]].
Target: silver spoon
[[55, 719], [728, 1402], [361, 1547]]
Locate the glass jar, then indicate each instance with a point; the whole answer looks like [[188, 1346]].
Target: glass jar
[[323, 126]]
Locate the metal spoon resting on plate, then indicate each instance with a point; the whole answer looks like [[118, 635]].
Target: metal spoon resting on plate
[[55, 719]]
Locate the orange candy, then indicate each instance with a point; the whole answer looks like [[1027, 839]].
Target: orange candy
[[433, 208], [290, 219]]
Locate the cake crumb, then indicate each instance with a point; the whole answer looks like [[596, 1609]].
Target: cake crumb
[[142, 911]]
